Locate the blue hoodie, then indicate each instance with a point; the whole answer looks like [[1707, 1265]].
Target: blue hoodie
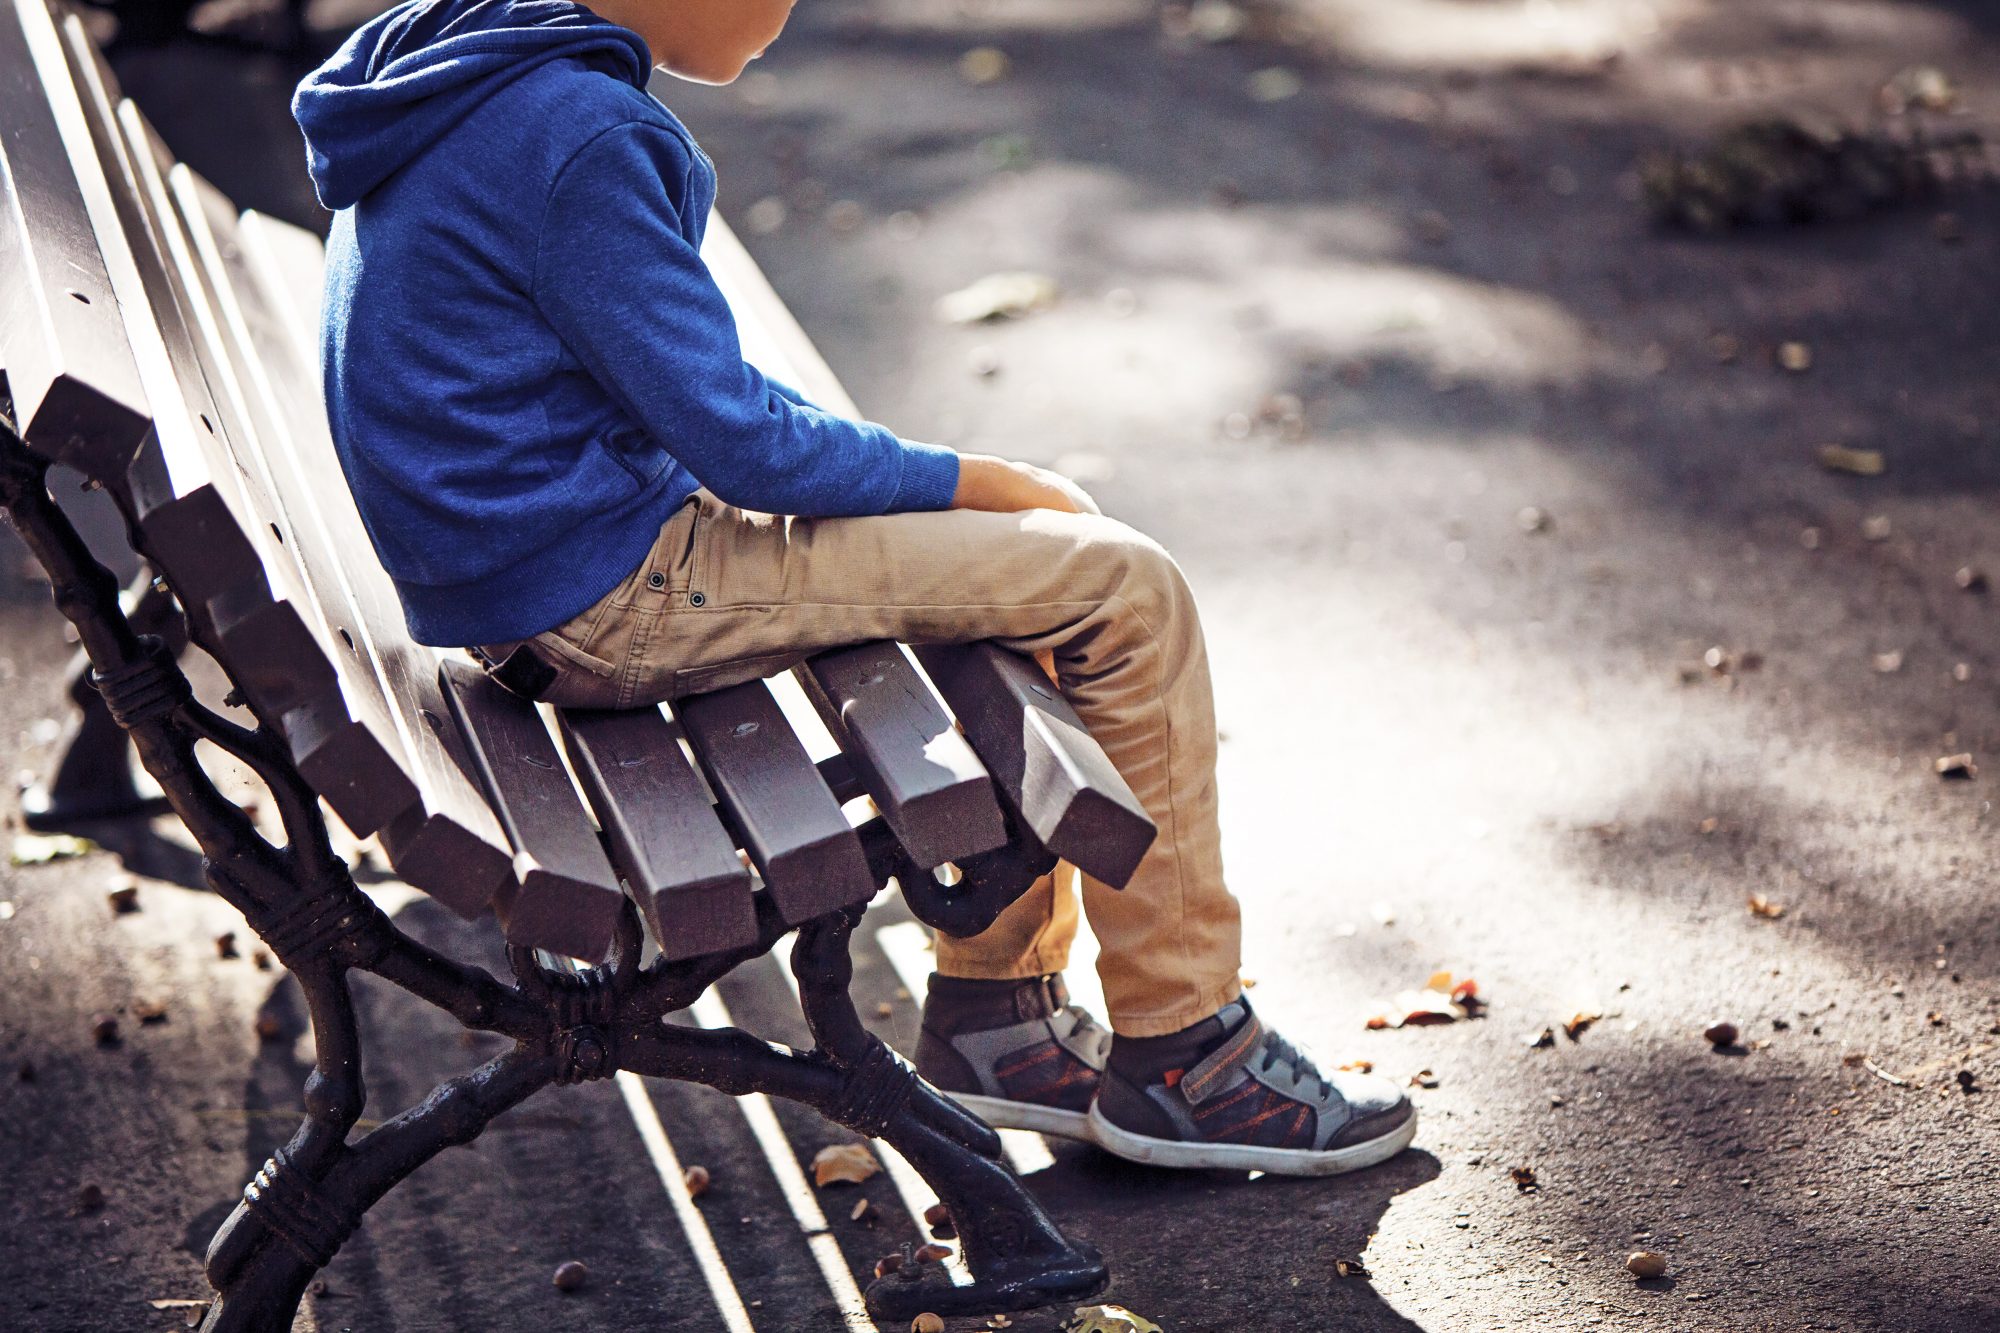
[[528, 367]]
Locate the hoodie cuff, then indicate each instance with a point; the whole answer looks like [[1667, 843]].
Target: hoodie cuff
[[930, 478]]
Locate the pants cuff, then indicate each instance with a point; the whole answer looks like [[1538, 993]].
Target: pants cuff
[[1155, 1023]]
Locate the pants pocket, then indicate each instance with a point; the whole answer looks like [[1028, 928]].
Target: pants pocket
[[721, 675]]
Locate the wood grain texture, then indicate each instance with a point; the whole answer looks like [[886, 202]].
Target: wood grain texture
[[1045, 762], [924, 778], [792, 827], [663, 835]]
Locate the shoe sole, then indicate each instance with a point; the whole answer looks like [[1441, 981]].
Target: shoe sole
[[1245, 1156], [1001, 1113]]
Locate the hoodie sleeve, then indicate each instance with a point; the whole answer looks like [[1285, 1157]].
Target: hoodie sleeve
[[617, 278]]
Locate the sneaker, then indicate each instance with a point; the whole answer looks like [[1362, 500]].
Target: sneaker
[[1231, 1093], [1017, 1054]]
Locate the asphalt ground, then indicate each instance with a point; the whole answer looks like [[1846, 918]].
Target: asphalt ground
[[1457, 735]]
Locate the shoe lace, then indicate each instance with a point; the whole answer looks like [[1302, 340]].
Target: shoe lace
[[1277, 1050]]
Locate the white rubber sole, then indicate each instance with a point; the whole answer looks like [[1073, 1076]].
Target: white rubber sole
[[1003, 1114], [1245, 1156]]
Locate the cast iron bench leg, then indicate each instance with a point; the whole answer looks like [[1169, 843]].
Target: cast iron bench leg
[[569, 1026], [92, 777]]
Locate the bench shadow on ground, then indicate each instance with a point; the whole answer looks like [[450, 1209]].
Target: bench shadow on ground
[[464, 1213]]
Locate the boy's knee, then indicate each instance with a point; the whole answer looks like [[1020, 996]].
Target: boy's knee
[[1147, 575]]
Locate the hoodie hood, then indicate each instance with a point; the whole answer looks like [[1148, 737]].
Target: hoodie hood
[[403, 80]]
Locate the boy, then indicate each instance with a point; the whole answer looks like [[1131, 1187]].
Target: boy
[[565, 464]]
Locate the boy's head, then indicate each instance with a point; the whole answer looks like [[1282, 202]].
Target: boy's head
[[708, 41]]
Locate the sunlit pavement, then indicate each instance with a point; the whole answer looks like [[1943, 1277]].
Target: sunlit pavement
[[1332, 348]]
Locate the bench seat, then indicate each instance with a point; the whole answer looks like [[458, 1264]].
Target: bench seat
[[166, 347]]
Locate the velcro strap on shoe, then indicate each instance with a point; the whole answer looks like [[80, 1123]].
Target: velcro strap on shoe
[[1211, 1076]]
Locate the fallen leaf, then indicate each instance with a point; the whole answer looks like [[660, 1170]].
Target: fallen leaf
[[1645, 1263], [1358, 1067], [863, 1211], [1351, 1268], [696, 1179], [1539, 1038], [124, 899], [1853, 462], [1108, 1319], [998, 296], [1720, 1033], [1275, 84], [1919, 88], [1579, 1022], [149, 1011], [36, 849], [1524, 1179], [932, 1254], [938, 1218], [844, 1164], [1216, 21], [983, 65], [1764, 907], [1956, 766], [1423, 1078], [927, 1323]]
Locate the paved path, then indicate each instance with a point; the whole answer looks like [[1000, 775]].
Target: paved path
[[1503, 741]]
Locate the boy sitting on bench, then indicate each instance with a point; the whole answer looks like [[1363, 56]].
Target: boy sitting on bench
[[564, 463]]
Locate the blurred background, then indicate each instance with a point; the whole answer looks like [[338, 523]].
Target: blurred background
[[1577, 419]]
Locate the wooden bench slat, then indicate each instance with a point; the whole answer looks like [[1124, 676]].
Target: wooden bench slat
[[793, 829], [352, 758], [1046, 764], [678, 863], [566, 897], [451, 846], [78, 398], [925, 779], [191, 527]]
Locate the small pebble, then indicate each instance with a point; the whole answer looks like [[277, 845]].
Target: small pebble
[[570, 1276], [270, 1027], [1720, 1034], [927, 1323], [104, 1029], [225, 945], [90, 1198], [124, 899], [696, 1180], [938, 1218]]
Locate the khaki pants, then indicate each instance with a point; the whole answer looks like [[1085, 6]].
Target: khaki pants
[[727, 595]]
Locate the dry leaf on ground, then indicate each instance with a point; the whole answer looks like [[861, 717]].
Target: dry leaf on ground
[[844, 1164], [1524, 1179], [1109, 1319], [1853, 462], [36, 849], [1764, 907], [1442, 1000], [998, 296], [1579, 1022]]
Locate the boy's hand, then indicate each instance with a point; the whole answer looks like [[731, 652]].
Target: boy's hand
[[1001, 486]]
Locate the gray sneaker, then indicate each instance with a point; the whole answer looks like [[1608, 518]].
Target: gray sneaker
[[1016, 1054], [1252, 1102]]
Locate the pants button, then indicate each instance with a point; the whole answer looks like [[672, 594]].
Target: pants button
[[696, 599], [656, 580]]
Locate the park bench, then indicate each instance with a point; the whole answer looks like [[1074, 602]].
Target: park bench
[[162, 344]]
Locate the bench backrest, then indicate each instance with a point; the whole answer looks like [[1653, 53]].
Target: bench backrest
[[166, 345]]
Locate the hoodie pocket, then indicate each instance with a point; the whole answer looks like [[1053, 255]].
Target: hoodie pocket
[[636, 453]]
